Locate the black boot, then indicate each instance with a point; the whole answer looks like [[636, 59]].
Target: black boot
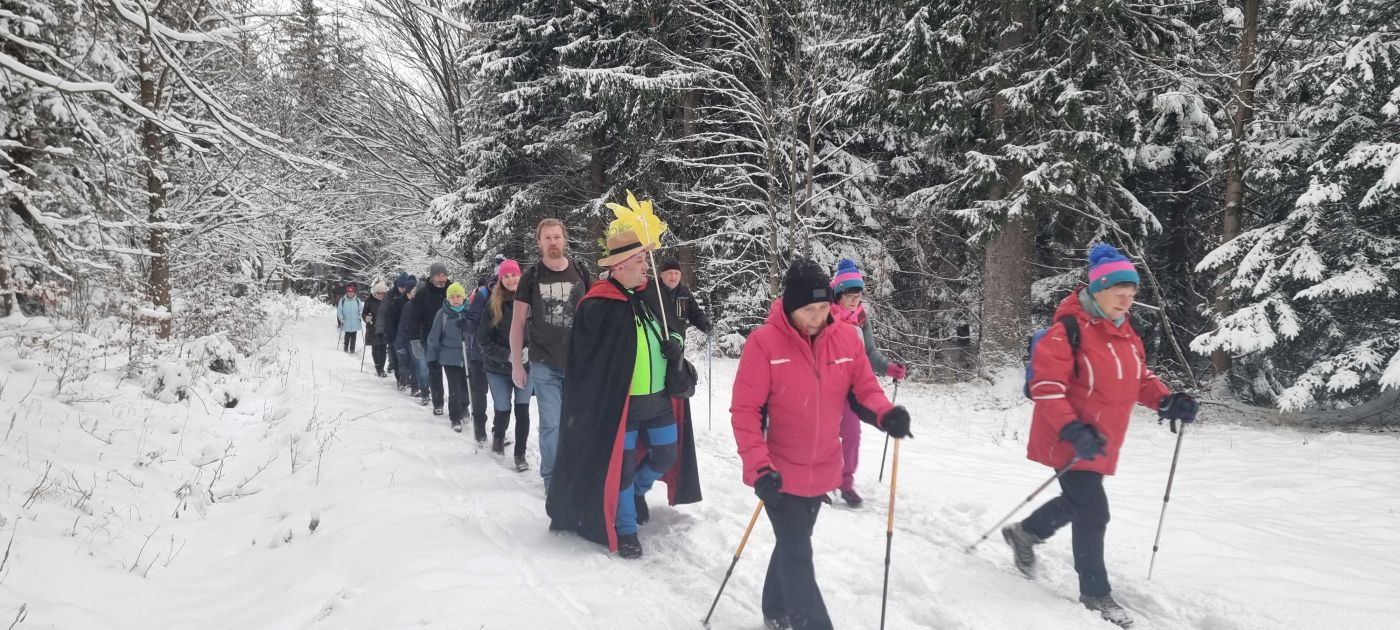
[[522, 428], [498, 432], [628, 546]]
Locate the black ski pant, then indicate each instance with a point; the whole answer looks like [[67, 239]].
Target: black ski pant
[[393, 359], [790, 591], [435, 383], [456, 378], [1084, 506], [350, 341], [476, 379], [379, 357]]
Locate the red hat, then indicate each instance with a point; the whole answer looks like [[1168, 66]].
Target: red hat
[[350, 288]]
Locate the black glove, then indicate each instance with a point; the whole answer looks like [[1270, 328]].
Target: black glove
[[673, 351], [769, 485], [1087, 442], [896, 422], [1178, 406]]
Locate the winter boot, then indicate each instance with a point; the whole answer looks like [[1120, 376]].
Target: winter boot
[[851, 498], [457, 426], [437, 411], [498, 445], [1111, 611], [424, 399], [383, 374], [628, 546], [776, 623], [520, 464], [1022, 545]]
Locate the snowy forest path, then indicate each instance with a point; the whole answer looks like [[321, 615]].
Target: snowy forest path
[[558, 580]]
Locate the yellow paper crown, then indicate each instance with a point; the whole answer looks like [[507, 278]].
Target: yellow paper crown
[[638, 217]]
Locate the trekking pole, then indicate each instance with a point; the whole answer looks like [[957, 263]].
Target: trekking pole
[[1166, 497], [363, 348], [738, 552], [710, 381], [889, 531], [1059, 473], [887, 436]]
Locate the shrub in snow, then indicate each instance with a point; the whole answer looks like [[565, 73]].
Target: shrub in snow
[[215, 353], [169, 382]]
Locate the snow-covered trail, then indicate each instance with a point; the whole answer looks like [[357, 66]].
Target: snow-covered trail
[[415, 527]]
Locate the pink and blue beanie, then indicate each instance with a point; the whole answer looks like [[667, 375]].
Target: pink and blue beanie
[[1108, 267], [847, 277]]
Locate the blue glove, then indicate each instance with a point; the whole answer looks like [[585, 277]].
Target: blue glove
[[1087, 442]]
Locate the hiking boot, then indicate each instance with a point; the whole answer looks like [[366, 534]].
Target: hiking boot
[[851, 498], [776, 623], [481, 441], [1022, 545], [457, 426], [520, 464], [425, 401], [628, 546], [1109, 609], [383, 374], [498, 445], [401, 386]]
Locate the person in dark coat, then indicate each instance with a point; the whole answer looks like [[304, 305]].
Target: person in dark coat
[[476, 369], [391, 313], [403, 341], [682, 307], [493, 339], [620, 431], [374, 336], [426, 305], [386, 324]]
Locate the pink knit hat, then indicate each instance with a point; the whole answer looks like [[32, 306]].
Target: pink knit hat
[[508, 267]]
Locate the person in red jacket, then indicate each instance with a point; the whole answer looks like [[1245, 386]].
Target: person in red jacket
[[796, 374], [1084, 394]]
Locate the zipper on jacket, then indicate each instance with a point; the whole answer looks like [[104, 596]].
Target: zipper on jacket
[[1138, 360], [1089, 367], [1116, 363]]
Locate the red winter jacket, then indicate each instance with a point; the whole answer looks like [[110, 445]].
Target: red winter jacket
[[1112, 376], [804, 387]]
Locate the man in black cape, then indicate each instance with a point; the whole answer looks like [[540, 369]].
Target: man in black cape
[[610, 403]]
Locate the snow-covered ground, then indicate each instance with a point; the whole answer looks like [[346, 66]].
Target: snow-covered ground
[[325, 498]]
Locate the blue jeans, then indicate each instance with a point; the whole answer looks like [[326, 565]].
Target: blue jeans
[[548, 382], [502, 388], [420, 363]]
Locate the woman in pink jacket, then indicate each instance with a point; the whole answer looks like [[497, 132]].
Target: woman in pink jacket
[[796, 374], [1089, 370]]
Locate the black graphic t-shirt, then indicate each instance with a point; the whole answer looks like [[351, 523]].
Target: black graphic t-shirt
[[553, 296]]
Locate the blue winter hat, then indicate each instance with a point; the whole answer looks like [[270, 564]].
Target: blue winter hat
[[406, 281], [1108, 267], [847, 277]]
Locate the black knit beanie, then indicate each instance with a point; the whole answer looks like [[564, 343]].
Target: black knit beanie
[[805, 283], [670, 264]]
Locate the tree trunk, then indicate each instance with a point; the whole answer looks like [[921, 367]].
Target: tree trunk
[[158, 240], [1234, 169], [1010, 257]]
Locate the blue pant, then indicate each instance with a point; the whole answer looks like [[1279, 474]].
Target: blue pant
[[548, 382], [502, 390], [658, 421], [420, 365]]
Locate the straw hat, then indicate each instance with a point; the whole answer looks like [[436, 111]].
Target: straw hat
[[622, 246]]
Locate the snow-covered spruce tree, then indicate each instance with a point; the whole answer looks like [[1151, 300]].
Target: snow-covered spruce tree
[[532, 143], [767, 172], [1315, 285]]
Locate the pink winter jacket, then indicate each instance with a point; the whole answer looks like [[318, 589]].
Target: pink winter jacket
[[804, 387]]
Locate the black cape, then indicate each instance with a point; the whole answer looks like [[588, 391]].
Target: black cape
[[583, 490]]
